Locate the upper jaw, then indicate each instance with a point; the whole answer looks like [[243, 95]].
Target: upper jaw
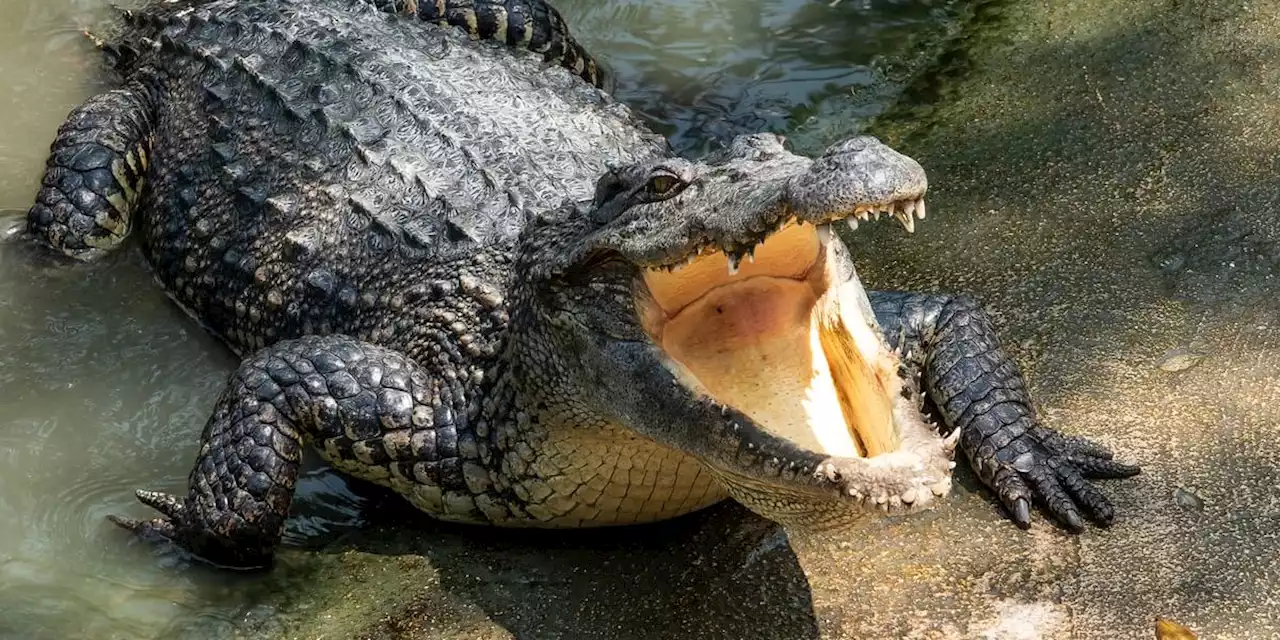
[[735, 204], [741, 247], [857, 176], [829, 191]]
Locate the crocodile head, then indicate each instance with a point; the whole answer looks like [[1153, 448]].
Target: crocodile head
[[710, 307]]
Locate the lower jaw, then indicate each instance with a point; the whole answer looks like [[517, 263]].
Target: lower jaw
[[799, 509]]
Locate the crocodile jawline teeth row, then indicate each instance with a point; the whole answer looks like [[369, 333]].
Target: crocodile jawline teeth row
[[905, 211]]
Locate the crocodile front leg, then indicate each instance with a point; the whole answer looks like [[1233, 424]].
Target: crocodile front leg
[[96, 168], [370, 411], [978, 388]]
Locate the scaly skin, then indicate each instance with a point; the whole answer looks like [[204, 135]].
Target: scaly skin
[[430, 250], [94, 174]]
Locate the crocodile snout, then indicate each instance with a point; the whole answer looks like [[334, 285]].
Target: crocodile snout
[[860, 173]]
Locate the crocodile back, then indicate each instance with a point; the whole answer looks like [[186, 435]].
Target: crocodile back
[[310, 154]]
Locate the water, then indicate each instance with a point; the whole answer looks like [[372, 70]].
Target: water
[[704, 70], [104, 386]]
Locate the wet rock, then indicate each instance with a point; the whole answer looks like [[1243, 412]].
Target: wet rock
[[1102, 200], [262, 621], [1026, 621]]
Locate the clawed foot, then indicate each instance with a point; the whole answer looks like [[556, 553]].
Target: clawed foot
[[1054, 470], [162, 528], [175, 526]]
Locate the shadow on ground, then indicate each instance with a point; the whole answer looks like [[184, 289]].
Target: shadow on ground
[[720, 573], [723, 573]]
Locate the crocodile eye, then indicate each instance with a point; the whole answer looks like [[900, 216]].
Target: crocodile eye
[[608, 187], [663, 185]]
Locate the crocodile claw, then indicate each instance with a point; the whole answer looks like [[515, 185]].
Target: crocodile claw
[[169, 505], [148, 529], [1021, 513], [182, 527], [163, 527], [1054, 470]]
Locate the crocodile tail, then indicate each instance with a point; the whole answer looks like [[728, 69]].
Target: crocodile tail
[[533, 25]]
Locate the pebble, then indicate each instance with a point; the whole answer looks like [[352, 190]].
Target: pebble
[[1188, 500], [1179, 359]]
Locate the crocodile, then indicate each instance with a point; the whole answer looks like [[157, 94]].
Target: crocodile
[[455, 266]]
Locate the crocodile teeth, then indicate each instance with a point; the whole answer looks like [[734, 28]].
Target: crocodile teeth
[[852, 221], [949, 443], [905, 213], [920, 208], [734, 261]]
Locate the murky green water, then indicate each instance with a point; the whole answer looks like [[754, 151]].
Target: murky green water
[[104, 387]]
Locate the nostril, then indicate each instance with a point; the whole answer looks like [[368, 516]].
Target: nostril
[[855, 147]]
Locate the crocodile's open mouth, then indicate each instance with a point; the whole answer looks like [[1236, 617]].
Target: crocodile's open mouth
[[785, 334]]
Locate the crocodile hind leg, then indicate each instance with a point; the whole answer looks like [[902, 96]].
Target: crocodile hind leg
[[96, 168], [370, 411], [978, 388], [534, 25]]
